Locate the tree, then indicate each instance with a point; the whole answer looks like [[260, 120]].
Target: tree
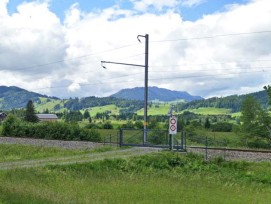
[[207, 123], [254, 119], [86, 114], [30, 113]]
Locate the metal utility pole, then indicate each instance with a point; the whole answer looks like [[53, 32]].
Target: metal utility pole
[[146, 80], [146, 86]]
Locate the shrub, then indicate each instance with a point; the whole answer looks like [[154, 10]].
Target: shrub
[[222, 127], [48, 130], [107, 125]]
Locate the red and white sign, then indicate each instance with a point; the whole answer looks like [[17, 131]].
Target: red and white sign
[[173, 125]]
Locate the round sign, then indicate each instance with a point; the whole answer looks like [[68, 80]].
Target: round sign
[[172, 121], [172, 127]]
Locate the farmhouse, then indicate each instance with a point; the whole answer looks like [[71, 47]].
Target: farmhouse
[[2, 116], [47, 117]]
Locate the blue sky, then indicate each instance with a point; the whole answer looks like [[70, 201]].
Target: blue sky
[[188, 13], [55, 48]]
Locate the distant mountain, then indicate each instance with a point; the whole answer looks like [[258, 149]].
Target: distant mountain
[[155, 93], [15, 97]]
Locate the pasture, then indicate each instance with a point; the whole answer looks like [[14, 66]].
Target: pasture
[[163, 177], [210, 111]]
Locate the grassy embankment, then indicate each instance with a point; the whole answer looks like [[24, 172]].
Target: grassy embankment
[[156, 178], [15, 152]]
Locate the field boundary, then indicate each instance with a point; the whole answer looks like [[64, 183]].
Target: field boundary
[[89, 157]]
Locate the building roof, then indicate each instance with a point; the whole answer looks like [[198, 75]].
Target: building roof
[[47, 116]]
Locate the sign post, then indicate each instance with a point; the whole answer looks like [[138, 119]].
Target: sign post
[[172, 130]]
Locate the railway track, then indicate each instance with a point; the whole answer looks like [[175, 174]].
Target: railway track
[[230, 149], [232, 153]]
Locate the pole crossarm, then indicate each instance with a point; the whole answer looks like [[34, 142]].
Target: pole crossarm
[[135, 65], [146, 80]]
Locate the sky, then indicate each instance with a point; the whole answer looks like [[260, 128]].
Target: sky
[[205, 47]]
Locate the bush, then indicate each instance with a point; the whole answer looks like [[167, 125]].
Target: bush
[[222, 127], [48, 130], [258, 143], [107, 125]]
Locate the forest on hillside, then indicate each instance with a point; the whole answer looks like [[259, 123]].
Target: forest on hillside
[[232, 102]]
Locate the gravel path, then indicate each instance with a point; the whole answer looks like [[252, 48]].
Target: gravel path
[[50, 143], [124, 153]]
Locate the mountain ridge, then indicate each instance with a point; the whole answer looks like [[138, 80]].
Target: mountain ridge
[[155, 93]]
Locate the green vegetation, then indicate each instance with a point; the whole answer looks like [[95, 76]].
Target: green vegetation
[[52, 105], [210, 111], [232, 102], [113, 109], [48, 130], [156, 109], [156, 178], [15, 152]]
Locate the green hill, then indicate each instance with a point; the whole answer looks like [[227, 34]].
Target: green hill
[[232, 102], [14, 97], [155, 93]]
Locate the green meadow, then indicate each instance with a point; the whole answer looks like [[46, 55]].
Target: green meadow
[[210, 111], [156, 109], [100, 109], [164, 177], [49, 104]]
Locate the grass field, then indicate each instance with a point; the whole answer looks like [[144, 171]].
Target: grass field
[[161, 109], [100, 109], [15, 152], [156, 178], [225, 139], [49, 105], [210, 111]]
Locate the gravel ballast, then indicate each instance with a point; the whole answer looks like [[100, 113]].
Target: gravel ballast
[[211, 153], [50, 143]]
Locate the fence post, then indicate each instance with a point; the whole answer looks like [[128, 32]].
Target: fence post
[[121, 137], [117, 136], [182, 139], [185, 140], [206, 149]]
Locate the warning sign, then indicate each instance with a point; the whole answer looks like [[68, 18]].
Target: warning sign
[[173, 125]]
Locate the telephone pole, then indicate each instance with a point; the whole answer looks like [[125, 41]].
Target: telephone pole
[[146, 82]]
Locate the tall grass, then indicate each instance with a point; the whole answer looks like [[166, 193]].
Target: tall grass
[[15, 152], [158, 178]]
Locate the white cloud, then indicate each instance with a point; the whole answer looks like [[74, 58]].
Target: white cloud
[[3, 8], [208, 67], [74, 87]]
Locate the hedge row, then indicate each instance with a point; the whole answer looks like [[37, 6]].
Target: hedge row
[[48, 130]]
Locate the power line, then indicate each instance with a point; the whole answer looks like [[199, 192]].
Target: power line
[[228, 69], [130, 45], [210, 37], [70, 59], [211, 63], [153, 79], [211, 75]]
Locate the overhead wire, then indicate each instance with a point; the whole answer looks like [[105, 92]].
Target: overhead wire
[[129, 45], [152, 79], [210, 37], [155, 41]]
